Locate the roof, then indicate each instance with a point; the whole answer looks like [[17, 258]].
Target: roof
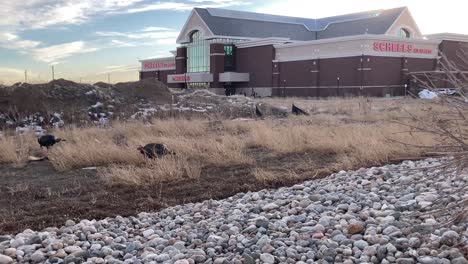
[[255, 25]]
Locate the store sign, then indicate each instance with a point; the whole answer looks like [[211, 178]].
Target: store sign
[[381, 46], [177, 78], [192, 77], [158, 65]]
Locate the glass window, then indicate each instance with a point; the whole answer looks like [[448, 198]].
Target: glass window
[[198, 53], [404, 33], [229, 58], [199, 85]]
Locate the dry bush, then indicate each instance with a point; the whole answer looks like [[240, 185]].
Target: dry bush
[[16, 149], [446, 119]]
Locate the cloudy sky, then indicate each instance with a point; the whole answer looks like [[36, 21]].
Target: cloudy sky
[[89, 39]]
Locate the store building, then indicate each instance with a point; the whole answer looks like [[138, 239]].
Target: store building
[[371, 53]]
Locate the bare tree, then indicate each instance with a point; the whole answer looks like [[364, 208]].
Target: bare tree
[[446, 119]]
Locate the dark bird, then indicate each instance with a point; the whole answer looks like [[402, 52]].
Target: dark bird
[[154, 150], [258, 113], [298, 111], [48, 141]]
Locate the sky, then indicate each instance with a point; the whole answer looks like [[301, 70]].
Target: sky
[[96, 40]]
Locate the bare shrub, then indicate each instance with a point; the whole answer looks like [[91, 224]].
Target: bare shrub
[[446, 119]]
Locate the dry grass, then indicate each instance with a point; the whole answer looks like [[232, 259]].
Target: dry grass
[[355, 132], [266, 176], [154, 173], [16, 149], [353, 144]]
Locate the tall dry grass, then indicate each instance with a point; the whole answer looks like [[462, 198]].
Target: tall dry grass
[[16, 149], [87, 147], [154, 173], [354, 132], [353, 144]]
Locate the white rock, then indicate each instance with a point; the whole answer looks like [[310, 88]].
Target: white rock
[[270, 207], [5, 259], [37, 257]]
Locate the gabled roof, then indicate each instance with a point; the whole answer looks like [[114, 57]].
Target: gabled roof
[[255, 25]]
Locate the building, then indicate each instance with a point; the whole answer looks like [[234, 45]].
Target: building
[[371, 53]]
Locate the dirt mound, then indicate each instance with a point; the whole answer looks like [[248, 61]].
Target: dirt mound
[[28, 107], [148, 89], [76, 103]]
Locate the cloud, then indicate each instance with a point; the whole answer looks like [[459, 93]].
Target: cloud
[[9, 40], [179, 6], [122, 68], [38, 51], [150, 29], [122, 44], [53, 54], [144, 37], [44, 13], [140, 35]]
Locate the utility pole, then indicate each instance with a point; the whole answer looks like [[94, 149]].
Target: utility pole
[[53, 73], [25, 76]]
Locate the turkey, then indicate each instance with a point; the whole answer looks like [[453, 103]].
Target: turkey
[[298, 111], [48, 141], [155, 150]]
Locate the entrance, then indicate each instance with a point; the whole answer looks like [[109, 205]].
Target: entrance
[[229, 89]]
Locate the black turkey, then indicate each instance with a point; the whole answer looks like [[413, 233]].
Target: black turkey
[[48, 141], [155, 150], [298, 111]]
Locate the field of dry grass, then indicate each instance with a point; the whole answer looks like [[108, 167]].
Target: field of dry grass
[[216, 158], [356, 132]]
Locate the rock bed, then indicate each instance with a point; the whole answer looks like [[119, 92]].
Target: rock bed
[[349, 217]]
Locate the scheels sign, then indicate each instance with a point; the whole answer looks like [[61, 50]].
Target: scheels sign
[[399, 47], [181, 78], [158, 65]]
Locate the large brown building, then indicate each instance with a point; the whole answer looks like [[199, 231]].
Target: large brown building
[[371, 53]]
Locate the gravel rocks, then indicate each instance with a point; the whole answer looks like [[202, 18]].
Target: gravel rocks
[[359, 216], [5, 259]]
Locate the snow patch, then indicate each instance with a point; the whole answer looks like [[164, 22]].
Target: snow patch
[[427, 94], [98, 104]]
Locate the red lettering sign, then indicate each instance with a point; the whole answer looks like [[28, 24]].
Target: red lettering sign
[[154, 65], [399, 47], [181, 78]]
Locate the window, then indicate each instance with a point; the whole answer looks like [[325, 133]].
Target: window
[[229, 58], [198, 53], [404, 33], [198, 85]]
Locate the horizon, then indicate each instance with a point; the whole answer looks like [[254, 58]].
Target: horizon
[[96, 41]]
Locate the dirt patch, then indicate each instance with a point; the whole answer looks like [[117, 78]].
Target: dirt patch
[[37, 196]]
